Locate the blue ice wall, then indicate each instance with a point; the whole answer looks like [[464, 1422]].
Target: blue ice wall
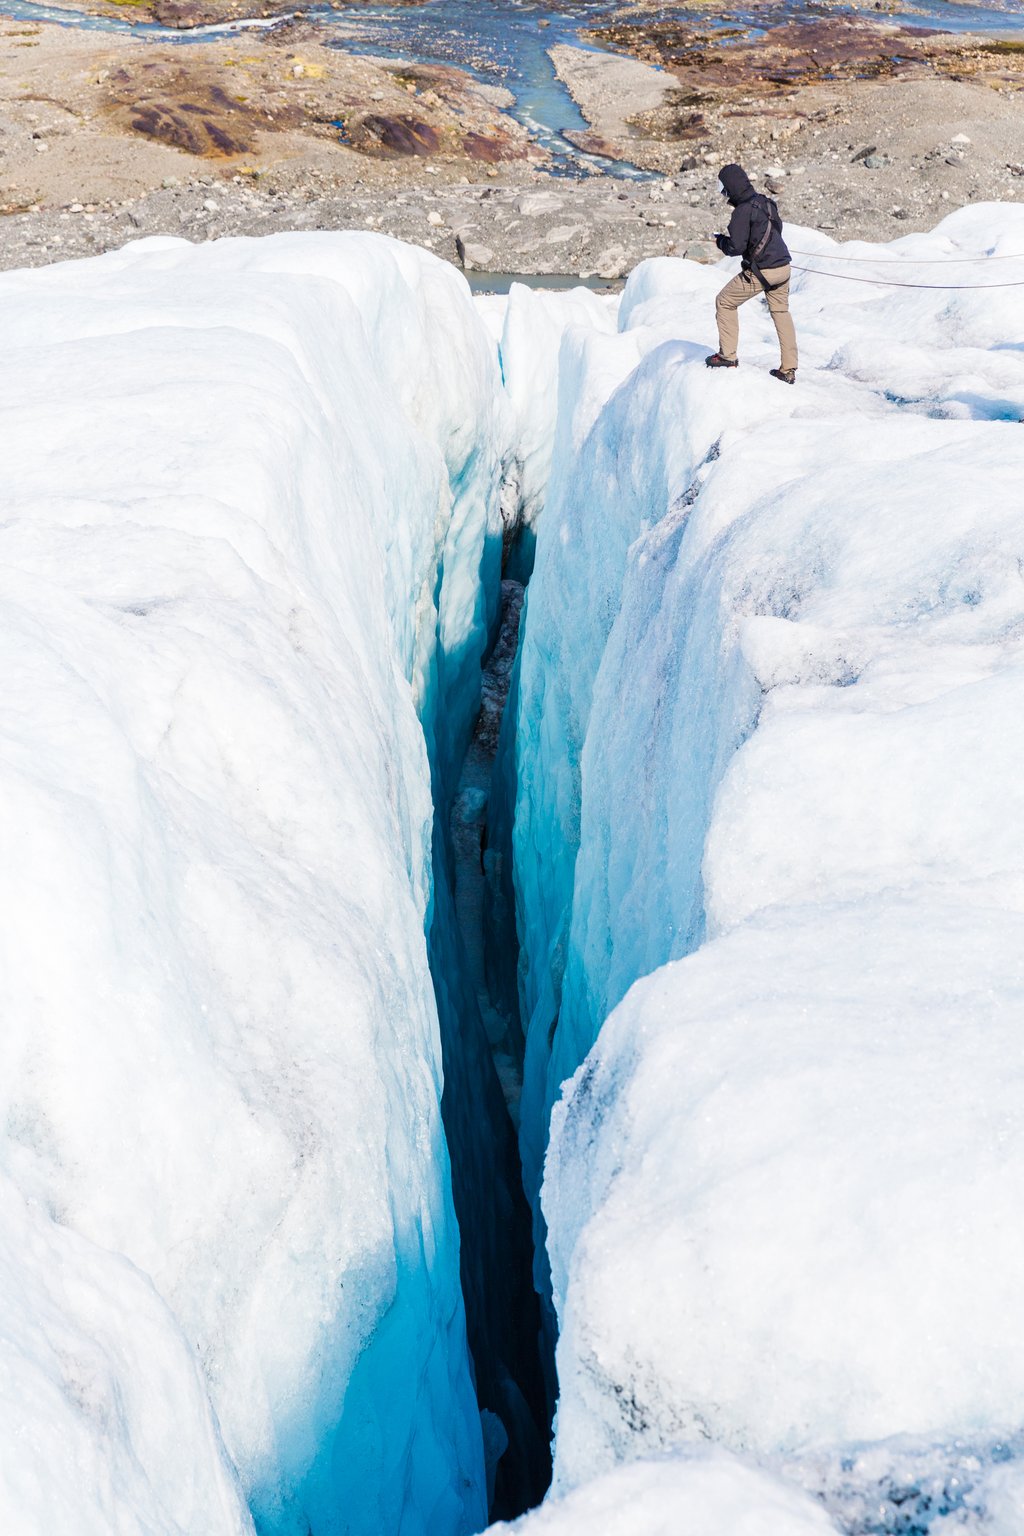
[[608, 579]]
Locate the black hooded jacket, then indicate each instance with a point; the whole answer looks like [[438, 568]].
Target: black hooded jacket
[[747, 226]]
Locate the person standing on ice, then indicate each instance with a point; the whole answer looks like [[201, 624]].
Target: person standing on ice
[[755, 235]]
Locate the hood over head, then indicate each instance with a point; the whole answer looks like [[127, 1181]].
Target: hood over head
[[736, 183]]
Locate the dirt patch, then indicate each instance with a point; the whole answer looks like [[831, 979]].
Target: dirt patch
[[176, 13], [188, 108], [89, 117], [200, 13]]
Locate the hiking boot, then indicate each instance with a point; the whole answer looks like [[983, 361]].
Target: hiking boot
[[716, 360], [784, 375]]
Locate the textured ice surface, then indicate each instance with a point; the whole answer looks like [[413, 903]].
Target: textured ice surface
[[611, 608], [698, 1495], [780, 1194], [534, 322], [772, 668], [105, 1421], [248, 496]]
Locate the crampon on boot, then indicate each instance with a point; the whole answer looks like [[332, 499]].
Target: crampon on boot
[[784, 375], [716, 360]]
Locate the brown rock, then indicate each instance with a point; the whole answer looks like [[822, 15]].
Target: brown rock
[[395, 136]]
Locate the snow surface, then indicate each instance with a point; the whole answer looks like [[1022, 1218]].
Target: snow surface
[[250, 541], [772, 666], [697, 1495]]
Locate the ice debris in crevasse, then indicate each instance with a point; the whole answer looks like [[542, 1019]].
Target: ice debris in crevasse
[[249, 493], [767, 752]]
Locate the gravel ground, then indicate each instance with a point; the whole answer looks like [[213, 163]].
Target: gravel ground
[[869, 158]]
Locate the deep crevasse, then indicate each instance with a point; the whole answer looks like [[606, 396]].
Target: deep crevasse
[[771, 653], [789, 1163], [249, 498]]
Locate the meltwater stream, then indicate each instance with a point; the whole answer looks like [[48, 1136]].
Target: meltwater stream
[[505, 44]]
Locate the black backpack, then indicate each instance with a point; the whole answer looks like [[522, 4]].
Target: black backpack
[[769, 210]]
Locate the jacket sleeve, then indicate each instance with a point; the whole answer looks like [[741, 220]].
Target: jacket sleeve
[[738, 238]]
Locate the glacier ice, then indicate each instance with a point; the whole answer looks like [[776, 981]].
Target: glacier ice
[[766, 751], [779, 1191], [532, 325], [697, 1495], [640, 431], [98, 1385], [764, 760], [249, 529]]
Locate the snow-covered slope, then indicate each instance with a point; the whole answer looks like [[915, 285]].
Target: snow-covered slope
[[247, 507], [772, 668]]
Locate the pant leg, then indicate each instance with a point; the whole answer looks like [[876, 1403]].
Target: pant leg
[[738, 291], [778, 307]]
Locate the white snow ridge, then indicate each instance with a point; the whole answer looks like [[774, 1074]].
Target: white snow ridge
[[758, 807]]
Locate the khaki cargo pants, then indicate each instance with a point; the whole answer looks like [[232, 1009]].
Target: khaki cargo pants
[[746, 286]]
